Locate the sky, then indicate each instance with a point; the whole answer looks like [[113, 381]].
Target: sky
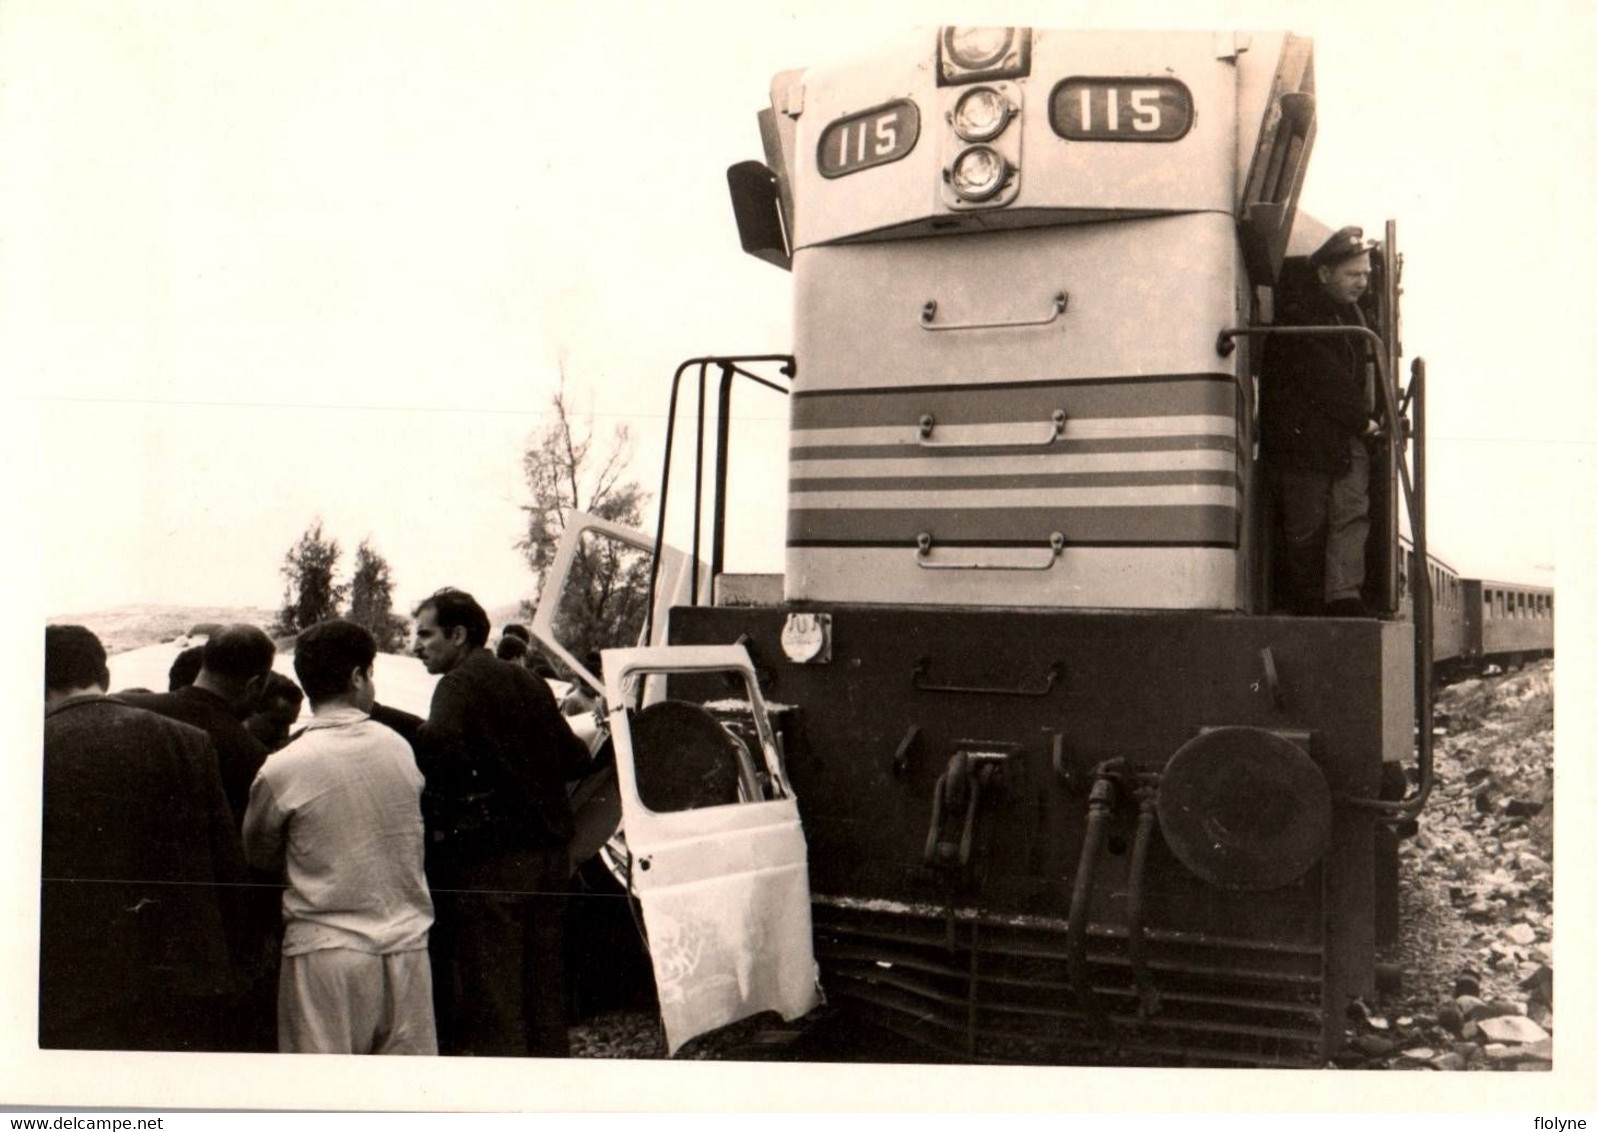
[[268, 263]]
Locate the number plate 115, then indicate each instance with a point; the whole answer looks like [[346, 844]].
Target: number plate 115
[[1120, 109], [871, 137]]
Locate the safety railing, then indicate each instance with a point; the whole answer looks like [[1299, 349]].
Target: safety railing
[[730, 368]]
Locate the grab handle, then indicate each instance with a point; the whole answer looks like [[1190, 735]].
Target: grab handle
[[1053, 428], [923, 555], [917, 680], [928, 317]]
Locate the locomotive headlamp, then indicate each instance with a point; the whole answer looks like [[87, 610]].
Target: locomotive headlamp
[[977, 48], [968, 55], [979, 173], [981, 114], [1245, 809]]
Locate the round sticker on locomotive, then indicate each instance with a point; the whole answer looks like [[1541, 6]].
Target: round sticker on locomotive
[[807, 637], [1128, 109], [869, 138]]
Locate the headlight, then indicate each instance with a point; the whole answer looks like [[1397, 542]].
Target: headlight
[[979, 173], [981, 114], [976, 48]]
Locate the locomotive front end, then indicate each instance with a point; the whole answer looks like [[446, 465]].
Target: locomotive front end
[[1066, 780]]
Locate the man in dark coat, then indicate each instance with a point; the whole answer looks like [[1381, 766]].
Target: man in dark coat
[[1315, 419], [140, 862], [234, 669], [496, 754]]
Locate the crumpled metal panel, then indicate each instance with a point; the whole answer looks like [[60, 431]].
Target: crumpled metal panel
[[723, 957], [724, 888]]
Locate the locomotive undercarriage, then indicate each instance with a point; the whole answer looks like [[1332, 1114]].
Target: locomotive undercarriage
[[972, 782]]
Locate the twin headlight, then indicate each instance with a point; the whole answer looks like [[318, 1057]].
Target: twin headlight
[[982, 155]]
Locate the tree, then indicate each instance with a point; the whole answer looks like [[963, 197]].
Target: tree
[[371, 599], [309, 592], [567, 470]]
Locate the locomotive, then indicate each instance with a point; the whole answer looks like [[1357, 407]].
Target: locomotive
[[1019, 750]]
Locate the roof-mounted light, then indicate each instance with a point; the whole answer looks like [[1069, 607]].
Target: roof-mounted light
[[975, 48], [971, 53]]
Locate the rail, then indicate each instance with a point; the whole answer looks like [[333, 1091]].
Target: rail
[[730, 367], [1414, 499]]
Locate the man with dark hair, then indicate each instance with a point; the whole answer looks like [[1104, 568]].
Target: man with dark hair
[[235, 665], [185, 668], [339, 810], [497, 755], [139, 860], [278, 712], [517, 630], [513, 649], [1315, 420]]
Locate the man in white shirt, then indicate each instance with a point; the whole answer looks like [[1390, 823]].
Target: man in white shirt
[[338, 810]]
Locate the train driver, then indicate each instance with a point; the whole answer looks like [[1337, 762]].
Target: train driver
[[1316, 418]]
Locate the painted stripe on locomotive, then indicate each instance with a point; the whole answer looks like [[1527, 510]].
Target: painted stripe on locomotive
[[1178, 443], [1203, 525], [877, 484], [1016, 481], [1174, 394]]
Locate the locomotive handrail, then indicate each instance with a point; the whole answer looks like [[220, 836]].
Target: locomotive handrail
[[928, 313], [1414, 498], [730, 367]]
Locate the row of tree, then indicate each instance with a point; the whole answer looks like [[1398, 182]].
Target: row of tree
[[566, 469], [311, 592]]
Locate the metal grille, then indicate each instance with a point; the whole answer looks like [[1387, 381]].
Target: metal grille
[[990, 988]]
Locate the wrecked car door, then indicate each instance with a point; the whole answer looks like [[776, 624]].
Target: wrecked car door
[[716, 855]]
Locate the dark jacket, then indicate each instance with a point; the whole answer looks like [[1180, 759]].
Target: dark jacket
[[398, 720], [497, 754], [239, 753], [1311, 389], [140, 869]]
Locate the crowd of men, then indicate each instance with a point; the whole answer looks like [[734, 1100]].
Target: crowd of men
[[374, 883]]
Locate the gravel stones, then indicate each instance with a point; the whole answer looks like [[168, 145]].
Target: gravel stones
[[1512, 1028], [1476, 921]]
